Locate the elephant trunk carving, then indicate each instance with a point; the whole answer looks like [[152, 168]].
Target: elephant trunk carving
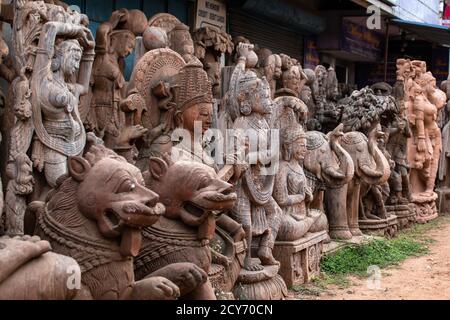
[[381, 173]]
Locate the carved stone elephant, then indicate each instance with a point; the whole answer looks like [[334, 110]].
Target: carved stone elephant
[[328, 165], [371, 169]]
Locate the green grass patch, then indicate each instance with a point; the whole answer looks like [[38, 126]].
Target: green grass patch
[[355, 260], [382, 253]]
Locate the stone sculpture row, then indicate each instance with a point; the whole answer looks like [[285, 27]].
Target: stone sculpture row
[[189, 181]]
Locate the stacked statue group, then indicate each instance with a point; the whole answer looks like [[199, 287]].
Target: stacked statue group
[[191, 180]]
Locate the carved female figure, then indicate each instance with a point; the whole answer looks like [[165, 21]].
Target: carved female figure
[[59, 130], [425, 145], [292, 192]]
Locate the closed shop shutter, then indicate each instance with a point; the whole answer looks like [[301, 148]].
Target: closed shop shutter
[[266, 34]]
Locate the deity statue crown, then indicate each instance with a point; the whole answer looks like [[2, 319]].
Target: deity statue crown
[[293, 133], [192, 87]]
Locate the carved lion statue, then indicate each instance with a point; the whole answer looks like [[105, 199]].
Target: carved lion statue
[[192, 193], [95, 215]]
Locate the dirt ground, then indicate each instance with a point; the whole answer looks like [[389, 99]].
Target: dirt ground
[[426, 277]]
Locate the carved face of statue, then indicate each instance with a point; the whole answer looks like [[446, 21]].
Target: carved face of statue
[[123, 44], [299, 149], [291, 79], [306, 95], [277, 68], [189, 190], [201, 112], [112, 192], [262, 102], [70, 57], [321, 74], [213, 71], [417, 70]]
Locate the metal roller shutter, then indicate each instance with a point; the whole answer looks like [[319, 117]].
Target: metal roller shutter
[[266, 34]]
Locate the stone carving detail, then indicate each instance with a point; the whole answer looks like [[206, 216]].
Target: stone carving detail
[[112, 113], [95, 215], [249, 102], [372, 170], [328, 112], [291, 190], [153, 79], [443, 173], [191, 192], [329, 168], [423, 100], [51, 45], [30, 271], [295, 246], [270, 67], [210, 44]]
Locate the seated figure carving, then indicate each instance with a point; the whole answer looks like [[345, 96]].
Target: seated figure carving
[[292, 192]]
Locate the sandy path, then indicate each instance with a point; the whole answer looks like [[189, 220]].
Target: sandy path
[[426, 277]]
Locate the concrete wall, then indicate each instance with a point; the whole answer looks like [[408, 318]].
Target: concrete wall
[[427, 11]]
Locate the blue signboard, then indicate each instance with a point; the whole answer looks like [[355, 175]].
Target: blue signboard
[[361, 41]]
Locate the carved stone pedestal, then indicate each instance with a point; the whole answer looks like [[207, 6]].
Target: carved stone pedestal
[[425, 207], [300, 260], [406, 215], [223, 279], [384, 228], [443, 202], [266, 284]]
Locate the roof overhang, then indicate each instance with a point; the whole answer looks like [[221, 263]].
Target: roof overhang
[[431, 32]]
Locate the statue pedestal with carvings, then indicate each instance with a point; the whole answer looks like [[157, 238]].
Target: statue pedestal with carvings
[[406, 215], [425, 207], [265, 284], [300, 260], [223, 278], [384, 227]]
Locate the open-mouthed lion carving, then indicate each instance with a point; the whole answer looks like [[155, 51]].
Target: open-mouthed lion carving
[[191, 193], [95, 215]]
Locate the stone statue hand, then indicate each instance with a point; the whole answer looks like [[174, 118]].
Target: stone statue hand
[[155, 288], [187, 276], [244, 49], [220, 259], [129, 134], [308, 196], [421, 146], [86, 38]]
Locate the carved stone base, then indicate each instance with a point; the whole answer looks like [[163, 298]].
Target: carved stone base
[[443, 202], [406, 215], [300, 260], [266, 284], [384, 228], [223, 279], [425, 207]]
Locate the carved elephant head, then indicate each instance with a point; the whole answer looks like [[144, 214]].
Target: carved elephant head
[[371, 166], [326, 158]]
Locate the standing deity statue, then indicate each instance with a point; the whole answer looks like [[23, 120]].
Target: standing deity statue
[[423, 100], [110, 109], [249, 101]]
